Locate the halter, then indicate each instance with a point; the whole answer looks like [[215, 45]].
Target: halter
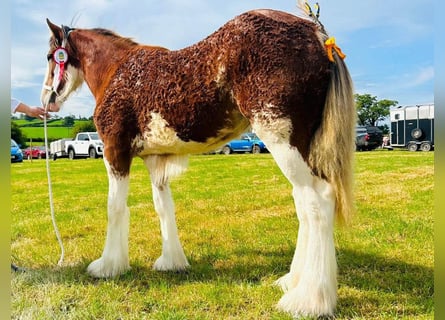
[[60, 57]]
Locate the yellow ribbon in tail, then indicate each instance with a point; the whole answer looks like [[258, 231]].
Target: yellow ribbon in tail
[[330, 46]]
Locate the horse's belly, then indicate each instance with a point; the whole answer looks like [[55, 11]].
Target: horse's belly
[[150, 145], [159, 138]]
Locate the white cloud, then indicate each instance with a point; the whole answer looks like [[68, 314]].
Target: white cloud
[[415, 86], [413, 17], [27, 64], [421, 76]]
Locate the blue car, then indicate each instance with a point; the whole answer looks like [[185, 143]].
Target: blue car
[[16, 153], [248, 142]]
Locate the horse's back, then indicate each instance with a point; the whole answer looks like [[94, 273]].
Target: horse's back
[[276, 15], [205, 94]]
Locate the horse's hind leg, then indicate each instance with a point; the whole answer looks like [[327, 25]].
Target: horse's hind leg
[[310, 286], [114, 259], [161, 168]]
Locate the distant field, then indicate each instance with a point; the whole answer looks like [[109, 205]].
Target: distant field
[[238, 225], [56, 130], [23, 122], [54, 133]]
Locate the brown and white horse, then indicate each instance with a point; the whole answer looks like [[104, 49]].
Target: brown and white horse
[[266, 69]]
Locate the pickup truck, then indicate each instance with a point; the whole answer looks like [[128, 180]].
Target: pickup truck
[[84, 145], [248, 142], [368, 138]]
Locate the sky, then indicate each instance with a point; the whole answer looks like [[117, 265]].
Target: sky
[[388, 44]]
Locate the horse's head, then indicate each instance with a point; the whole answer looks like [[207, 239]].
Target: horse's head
[[63, 75]]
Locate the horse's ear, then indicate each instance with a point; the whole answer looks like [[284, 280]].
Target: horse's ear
[[56, 30]]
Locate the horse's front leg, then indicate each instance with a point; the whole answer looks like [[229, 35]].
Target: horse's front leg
[[173, 257], [114, 259]]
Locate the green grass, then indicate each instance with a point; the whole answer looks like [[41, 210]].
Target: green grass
[[54, 133], [55, 127], [238, 226]]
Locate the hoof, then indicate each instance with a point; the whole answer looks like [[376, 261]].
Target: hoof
[[101, 268], [164, 264], [284, 282], [304, 301]]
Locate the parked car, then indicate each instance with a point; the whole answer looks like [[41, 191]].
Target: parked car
[[16, 152], [368, 138], [37, 152], [248, 142]]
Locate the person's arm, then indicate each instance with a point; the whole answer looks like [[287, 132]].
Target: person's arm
[[14, 104], [36, 112]]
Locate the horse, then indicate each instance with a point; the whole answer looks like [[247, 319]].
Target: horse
[[265, 70]]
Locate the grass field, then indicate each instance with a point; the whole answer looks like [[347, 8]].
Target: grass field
[[54, 133], [238, 226], [56, 130]]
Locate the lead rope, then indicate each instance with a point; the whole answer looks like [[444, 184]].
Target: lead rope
[[60, 57], [50, 192]]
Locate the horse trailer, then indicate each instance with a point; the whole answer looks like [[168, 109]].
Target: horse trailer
[[412, 127]]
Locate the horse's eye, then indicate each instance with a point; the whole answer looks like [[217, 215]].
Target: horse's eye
[[49, 56]]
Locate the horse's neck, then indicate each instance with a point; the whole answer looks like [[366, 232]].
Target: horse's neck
[[99, 59]]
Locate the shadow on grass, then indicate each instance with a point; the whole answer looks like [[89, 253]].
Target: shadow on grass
[[366, 281], [399, 287]]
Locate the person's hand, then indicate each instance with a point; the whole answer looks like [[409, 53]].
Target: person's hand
[[32, 111], [37, 112]]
